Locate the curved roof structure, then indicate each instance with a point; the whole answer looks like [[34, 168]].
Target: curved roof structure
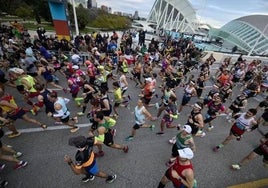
[[173, 15], [248, 33]]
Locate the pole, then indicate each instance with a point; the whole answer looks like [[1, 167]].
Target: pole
[[252, 49], [75, 19]]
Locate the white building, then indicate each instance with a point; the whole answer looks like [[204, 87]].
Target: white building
[[174, 15]]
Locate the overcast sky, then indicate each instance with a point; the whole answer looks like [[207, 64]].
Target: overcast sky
[[215, 12]]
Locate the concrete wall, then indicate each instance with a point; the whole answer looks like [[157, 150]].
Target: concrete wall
[[220, 57]]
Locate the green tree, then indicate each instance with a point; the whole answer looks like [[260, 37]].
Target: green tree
[[24, 12], [9, 5], [82, 16]]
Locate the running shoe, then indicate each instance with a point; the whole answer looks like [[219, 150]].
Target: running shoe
[[20, 165], [74, 129], [33, 111], [129, 138], [200, 133], [88, 178], [210, 128], [17, 154], [203, 134], [236, 167], [3, 183], [111, 179], [2, 166], [115, 116], [80, 113], [160, 133], [13, 135], [152, 127], [125, 149], [216, 149]]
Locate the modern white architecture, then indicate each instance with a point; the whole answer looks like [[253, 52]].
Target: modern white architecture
[[248, 33], [173, 15]]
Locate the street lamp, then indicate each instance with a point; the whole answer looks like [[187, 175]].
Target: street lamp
[[75, 19]]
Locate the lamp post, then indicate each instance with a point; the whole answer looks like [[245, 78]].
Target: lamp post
[[75, 19]]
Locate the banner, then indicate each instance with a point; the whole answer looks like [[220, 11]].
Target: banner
[[59, 14]]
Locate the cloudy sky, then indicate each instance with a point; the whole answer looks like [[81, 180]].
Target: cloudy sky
[[215, 12]]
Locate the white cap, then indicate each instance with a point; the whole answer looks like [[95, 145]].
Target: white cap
[[148, 79], [16, 70], [186, 153], [76, 67], [187, 128]]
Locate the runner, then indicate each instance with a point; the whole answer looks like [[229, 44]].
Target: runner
[[183, 139], [171, 113], [104, 133], [85, 162], [14, 112], [261, 150], [13, 154], [181, 173], [140, 113], [189, 92], [62, 113], [244, 122], [195, 119]]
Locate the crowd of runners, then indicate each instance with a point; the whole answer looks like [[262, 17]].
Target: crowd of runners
[[98, 69]]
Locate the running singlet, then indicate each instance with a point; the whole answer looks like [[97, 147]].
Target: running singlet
[[166, 96], [64, 108], [107, 123], [10, 99], [139, 116], [30, 80], [193, 126], [242, 123], [180, 141], [179, 169], [122, 84], [188, 91], [105, 112], [214, 108], [118, 95]]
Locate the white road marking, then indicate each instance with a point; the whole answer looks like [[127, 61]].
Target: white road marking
[[49, 128]]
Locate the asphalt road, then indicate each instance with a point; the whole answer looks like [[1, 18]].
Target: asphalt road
[[144, 164]]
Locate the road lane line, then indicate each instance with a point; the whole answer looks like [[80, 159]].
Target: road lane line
[[50, 128]]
